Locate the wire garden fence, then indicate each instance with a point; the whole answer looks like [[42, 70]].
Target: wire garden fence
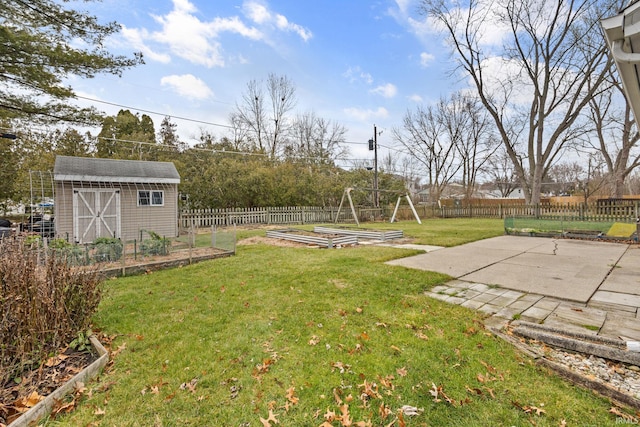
[[147, 247]]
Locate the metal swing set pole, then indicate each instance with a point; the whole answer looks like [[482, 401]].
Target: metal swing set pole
[[413, 209]]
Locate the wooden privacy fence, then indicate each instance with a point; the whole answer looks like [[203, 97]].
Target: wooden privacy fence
[[623, 211]]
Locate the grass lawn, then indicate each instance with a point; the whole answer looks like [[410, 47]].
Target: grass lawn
[[311, 336]]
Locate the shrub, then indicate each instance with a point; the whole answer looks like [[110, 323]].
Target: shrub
[[73, 254], [156, 245], [44, 304], [107, 249]]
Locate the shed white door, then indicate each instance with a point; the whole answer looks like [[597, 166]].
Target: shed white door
[[96, 213]]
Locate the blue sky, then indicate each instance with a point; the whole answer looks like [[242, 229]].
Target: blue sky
[[356, 62]]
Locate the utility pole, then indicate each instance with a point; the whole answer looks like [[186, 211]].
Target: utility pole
[[373, 146]]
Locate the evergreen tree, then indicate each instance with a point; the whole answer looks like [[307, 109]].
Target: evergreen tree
[[40, 47]]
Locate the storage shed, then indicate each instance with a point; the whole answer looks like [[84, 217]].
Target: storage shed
[[114, 198]]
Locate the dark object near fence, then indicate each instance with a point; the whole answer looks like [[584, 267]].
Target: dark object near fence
[[5, 228], [40, 225]]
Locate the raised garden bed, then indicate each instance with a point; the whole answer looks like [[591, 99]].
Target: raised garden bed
[[361, 234], [44, 407], [313, 238]]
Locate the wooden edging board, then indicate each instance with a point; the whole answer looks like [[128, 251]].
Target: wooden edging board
[[43, 408]]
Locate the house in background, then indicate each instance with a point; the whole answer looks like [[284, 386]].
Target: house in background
[[114, 198]]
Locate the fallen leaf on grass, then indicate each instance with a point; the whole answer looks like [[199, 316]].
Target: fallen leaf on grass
[[369, 390], [329, 416], [411, 411], [79, 388], [396, 349], [341, 366], [439, 395], [63, 408], [402, 371], [623, 415], [261, 369], [291, 395], [99, 411], [191, 385], [474, 390], [489, 367], [422, 336], [384, 411], [345, 417], [314, 340], [118, 350], [271, 418], [528, 409]]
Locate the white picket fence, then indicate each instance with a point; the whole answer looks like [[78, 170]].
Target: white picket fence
[[200, 218]]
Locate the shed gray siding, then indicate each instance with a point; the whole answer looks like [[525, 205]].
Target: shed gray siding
[[133, 218]]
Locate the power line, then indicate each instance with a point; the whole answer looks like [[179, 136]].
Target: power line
[[155, 112]]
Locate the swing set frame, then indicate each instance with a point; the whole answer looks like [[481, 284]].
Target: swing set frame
[[347, 194]]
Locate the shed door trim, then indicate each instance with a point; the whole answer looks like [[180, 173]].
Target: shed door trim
[[96, 213]]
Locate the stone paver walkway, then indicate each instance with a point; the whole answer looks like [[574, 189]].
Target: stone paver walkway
[[579, 286]]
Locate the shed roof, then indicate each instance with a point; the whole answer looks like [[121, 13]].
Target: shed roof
[[110, 170]]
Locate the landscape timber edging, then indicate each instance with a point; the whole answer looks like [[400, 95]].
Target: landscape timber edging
[[43, 408], [142, 268], [567, 374]]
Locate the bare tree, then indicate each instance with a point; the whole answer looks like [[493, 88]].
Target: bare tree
[[537, 79], [564, 178], [470, 126], [316, 139], [426, 138], [251, 114], [451, 139], [240, 135], [594, 178], [616, 135], [282, 95], [269, 125], [501, 173]]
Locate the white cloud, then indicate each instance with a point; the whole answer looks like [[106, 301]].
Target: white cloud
[[185, 35], [403, 6], [284, 24], [188, 86], [415, 98], [257, 12], [426, 59], [388, 90], [135, 37], [260, 14], [194, 40], [366, 115], [354, 74]]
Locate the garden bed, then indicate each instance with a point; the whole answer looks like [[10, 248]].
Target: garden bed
[[180, 258], [361, 233], [313, 238], [47, 386]]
